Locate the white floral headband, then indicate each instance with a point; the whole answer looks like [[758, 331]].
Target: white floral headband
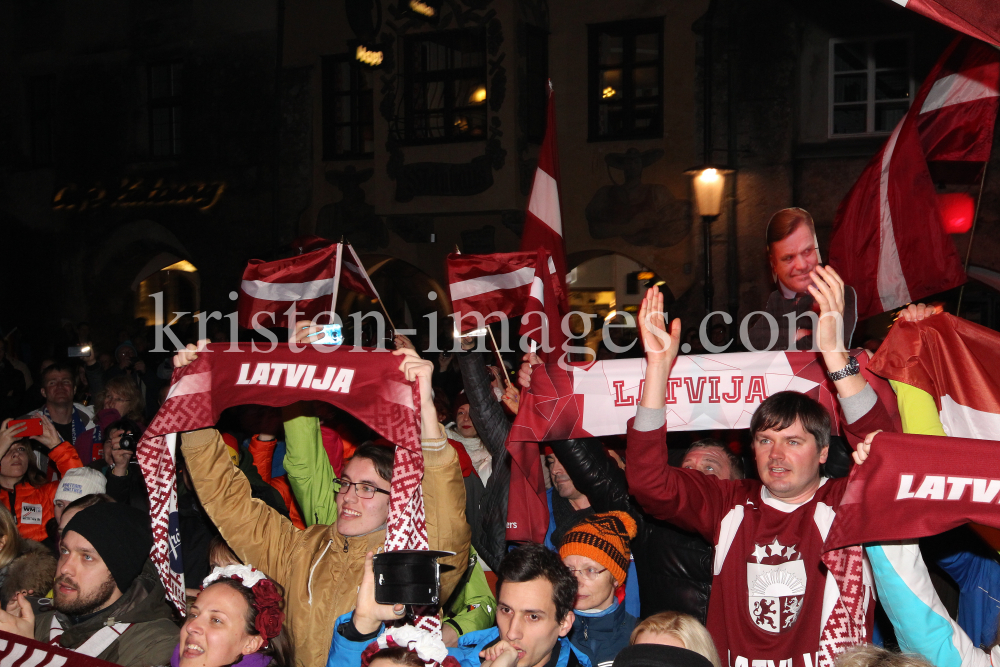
[[247, 575]]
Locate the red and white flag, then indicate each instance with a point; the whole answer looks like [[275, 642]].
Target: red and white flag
[[978, 18], [543, 219], [953, 360], [485, 287], [354, 276], [888, 241], [308, 281]]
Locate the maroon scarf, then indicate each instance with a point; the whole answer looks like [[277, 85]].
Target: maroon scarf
[[365, 383]]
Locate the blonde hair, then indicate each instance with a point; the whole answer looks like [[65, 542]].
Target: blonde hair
[[867, 655], [682, 626], [8, 529], [124, 386]]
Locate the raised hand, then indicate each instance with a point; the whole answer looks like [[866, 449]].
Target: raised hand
[[919, 311], [828, 291], [860, 455], [524, 374], [661, 344], [50, 436], [512, 398], [368, 614], [190, 353]]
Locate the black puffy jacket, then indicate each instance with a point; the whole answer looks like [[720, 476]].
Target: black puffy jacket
[[674, 566], [492, 426]]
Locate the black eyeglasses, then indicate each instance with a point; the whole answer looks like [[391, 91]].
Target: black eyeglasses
[[364, 490]]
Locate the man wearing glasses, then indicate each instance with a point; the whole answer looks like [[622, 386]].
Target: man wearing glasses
[[793, 252]]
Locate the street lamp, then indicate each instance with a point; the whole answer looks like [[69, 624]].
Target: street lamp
[[709, 184]]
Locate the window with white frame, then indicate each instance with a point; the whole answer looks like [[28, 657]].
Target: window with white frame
[[871, 84]]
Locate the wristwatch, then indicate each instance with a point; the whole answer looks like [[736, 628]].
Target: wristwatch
[[852, 368]]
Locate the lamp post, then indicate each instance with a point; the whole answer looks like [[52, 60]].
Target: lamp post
[[709, 184]]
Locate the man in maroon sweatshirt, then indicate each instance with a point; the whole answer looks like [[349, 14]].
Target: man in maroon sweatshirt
[[771, 595]]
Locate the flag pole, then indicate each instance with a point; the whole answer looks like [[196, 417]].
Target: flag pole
[[336, 282], [379, 296], [496, 350], [972, 236]]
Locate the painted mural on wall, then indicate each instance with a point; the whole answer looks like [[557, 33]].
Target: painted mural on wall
[[640, 213], [352, 217], [422, 179]]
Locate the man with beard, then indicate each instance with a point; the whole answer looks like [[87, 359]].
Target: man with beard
[[108, 603]]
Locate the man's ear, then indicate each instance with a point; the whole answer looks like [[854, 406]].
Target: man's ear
[[254, 642], [824, 454], [567, 623]]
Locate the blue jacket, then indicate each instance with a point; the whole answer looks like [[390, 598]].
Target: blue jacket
[[921, 622], [631, 580], [600, 636], [347, 653]]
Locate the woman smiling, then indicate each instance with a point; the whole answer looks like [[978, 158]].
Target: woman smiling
[[237, 618]]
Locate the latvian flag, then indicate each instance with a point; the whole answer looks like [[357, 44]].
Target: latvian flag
[[489, 288], [888, 240], [309, 282]]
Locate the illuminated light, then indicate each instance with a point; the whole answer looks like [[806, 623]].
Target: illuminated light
[[610, 316], [462, 124], [708, 176], [478, 96], [368, 57], [183, 265], [609, 92], [957, 211], [645, 275], [661, 283], [422, 8]]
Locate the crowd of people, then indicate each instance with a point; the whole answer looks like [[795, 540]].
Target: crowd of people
[[702, 555]]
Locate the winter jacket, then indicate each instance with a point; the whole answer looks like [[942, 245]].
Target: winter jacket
[[492, 426], [347, 653], [149, 641], [32, 505], [601, 635], [319, 568], [309, 472], [921, 622], [674, 567], [471, 606], [262, 452], [129, 489]]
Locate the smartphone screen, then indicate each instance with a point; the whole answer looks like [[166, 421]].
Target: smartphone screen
[[78, 351]]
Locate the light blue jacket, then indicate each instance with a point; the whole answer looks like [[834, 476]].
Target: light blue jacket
[[921, 622]]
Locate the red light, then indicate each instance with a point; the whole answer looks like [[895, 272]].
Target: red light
[[957, 210]]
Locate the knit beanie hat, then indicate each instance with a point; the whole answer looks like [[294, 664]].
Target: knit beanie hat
[[80, 482], [122, 536], [603, 538], [658, 655]]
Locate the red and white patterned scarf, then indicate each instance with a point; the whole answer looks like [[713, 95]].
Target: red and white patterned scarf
[[365, 383]]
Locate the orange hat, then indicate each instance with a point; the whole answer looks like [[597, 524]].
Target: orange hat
[[603, 538]]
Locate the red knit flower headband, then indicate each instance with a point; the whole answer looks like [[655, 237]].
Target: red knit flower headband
[[267, 598]]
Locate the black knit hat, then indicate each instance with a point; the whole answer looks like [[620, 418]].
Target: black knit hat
[[658, 655], [121, 535]]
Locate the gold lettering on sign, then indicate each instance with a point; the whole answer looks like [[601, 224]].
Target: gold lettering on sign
[[373, 58], [421, 8], [139, 193]]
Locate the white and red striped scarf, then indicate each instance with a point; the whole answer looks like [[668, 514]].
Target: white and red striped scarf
[[366, 384]]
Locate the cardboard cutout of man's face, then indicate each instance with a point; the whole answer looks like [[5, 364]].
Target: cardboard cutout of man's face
[[793, 258]]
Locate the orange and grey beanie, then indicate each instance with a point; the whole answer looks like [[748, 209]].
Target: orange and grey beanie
[[603, 538]]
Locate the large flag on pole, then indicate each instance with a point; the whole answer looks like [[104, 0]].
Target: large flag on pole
[[977, 18], [543, 219], [888, 241]]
